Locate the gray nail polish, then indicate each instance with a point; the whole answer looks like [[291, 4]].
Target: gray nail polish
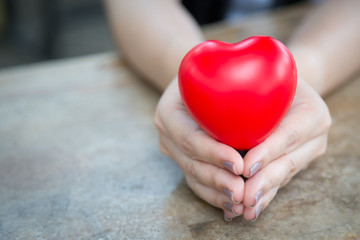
[[230, 166], [228, 206], [226, 218], [230, 194], [255, 168], [257, 213], [258, 196]]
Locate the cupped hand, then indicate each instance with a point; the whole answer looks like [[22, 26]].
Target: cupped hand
[[299, 139], [211, 168]]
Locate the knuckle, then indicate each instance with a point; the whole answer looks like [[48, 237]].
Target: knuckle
[[187, 146], [293, 136], [270, 183], [190, 169], [293, 168], [282, 178]]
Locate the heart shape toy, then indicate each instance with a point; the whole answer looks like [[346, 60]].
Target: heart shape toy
[[238, 93]]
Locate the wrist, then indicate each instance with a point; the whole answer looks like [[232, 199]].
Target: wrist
[[309, 66]]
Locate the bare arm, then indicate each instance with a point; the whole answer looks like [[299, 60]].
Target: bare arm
[[326, 45], [153, 35]]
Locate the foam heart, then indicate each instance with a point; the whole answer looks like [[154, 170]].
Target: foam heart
[[238, 93]]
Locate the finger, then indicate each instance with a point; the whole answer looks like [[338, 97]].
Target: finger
[[199, 145], [296, 128], [215, 177], [235, 211], [216, 199], [281, 170], [253, 213], [207, 174], [193, 141]]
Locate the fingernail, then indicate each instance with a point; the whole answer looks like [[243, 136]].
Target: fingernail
[[258, 196], [228, 206], [226, 218], [230, 195], [257, 212], [230, 166], [255, 168]]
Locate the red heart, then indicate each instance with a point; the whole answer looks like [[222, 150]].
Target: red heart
[[238, 93]]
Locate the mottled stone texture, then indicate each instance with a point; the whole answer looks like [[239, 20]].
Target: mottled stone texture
[[79, 159]]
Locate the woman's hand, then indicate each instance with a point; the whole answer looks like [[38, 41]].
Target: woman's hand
[[211, 168], [300, 138]]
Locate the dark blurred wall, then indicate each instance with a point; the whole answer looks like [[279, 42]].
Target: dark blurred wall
[[39, 30]]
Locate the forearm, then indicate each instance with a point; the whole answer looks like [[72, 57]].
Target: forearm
[[153, 35], [326, 45]]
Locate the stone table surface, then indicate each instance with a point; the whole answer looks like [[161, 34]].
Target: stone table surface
[[79, 158]]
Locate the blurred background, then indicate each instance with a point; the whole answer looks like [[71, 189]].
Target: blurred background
[[40, 30]]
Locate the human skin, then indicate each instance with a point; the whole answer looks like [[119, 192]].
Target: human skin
[[155, 35]]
